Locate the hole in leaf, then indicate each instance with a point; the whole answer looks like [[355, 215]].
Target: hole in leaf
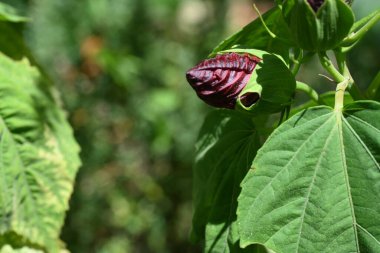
[[250, 98]]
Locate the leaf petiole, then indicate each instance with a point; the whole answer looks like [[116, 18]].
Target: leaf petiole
[[329, 67], [339, 95], [297, 63]]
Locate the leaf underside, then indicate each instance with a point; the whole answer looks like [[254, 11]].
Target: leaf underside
[[226, 147], [315, 184]]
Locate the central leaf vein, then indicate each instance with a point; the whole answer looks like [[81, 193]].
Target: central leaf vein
[[317, 167]]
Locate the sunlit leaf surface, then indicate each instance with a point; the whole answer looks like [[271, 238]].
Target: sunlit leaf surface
[[315, 184]]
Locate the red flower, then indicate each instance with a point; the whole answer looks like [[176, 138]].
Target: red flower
[[218, 81]]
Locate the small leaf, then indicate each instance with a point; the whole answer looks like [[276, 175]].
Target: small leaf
[[226, 147], [10, 14], [254, 35], [315, 184]]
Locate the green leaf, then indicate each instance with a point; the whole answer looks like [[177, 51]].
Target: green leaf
[[373, 90], [9, 249], [255, 36], [226, 147], [13, 44], [10, 14], [315, 184], [39, 158]]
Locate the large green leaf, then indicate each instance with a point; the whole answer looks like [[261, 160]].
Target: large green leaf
[[226, 147], [254, 35], [9, 249], [38, 159], [315, 184]]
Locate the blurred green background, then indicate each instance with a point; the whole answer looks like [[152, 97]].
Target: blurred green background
[[120, 65]]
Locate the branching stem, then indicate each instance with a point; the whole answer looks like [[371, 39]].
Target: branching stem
[[337, 76], [329, 67]]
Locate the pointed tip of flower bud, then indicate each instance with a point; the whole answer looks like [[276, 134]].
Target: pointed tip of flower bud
[[315, 4], [218, 81]]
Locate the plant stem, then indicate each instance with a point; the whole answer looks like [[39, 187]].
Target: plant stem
[[329, 67], [300, 86], [263, 22], [343, 68], [297, 63], [341, 61]]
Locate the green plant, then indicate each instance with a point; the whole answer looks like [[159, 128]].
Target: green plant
[[39, 156], [291, 178]]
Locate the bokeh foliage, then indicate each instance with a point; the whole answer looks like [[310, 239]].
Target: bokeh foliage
[[120, 65]]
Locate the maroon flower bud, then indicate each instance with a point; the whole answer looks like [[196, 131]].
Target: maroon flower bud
[[316, 4], [218, 81]]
